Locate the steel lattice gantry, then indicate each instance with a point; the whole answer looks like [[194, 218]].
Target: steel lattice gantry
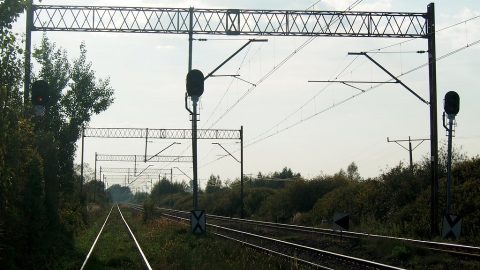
[[247, 22], [131, 170], [140, 158], [126, 174], [137, 133], [228, 21], [147, 133]]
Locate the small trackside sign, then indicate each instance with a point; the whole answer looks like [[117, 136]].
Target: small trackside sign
[[451, 226], [341, 221], [198, 221]]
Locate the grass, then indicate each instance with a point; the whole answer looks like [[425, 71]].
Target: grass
[[411, 257]]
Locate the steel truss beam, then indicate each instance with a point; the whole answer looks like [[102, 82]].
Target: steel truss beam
[[131, 170], [141, 158], [229, 21], [110, 177], [134, 133]]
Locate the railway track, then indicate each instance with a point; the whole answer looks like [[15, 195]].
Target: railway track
[[144, 260], [311, 234], [449, 248], [303, 254]]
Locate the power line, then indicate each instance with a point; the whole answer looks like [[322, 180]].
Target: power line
[[439, 30], [314, 4], [323, 89], [308, 101], [358, 94], [274, 69], [344, 101], [228, 88], [238, 70]]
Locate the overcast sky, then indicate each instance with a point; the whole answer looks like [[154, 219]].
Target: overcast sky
[[148, 73]]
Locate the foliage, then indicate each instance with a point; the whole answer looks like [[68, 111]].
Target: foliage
[[286, 173], [352, 172], [140, 197], [165, 187], [214, 184], [397, 202], [95, 192], [119, 193], [41, 205], [22, 212]]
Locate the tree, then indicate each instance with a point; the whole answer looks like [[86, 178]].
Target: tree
[[120, 194], [165, 187], [39, 192], [286, 173], [75, 95], [95, 192], [213, 184], [22, 190], [352, 172]]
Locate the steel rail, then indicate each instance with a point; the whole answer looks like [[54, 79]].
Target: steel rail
[[257, 247], [96, 239], [465, 250], [145, 261], [333, 255], [270, 251], [336, 256]]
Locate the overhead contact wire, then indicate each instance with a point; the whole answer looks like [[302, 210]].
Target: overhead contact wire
[[360, 93], [275, 68]]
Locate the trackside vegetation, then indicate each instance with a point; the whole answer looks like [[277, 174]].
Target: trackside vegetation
[[42, 203], [396, 203]]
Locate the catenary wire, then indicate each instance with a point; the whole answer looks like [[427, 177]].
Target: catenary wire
[[360, 93], [439, 30], [273, 70], [372, 51], [345, 100], [238, 70]]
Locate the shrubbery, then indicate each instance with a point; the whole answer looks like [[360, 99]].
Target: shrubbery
[[397, 202]]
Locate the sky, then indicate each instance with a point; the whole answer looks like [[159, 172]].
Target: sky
[[287, 121]]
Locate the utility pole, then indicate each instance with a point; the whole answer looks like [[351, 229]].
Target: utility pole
[[242, 213], [95, 170], [432, 78], [409, 149], [28, 53], [81, 166]]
